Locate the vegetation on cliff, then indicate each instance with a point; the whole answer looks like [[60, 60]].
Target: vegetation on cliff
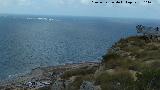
[[130, 64]]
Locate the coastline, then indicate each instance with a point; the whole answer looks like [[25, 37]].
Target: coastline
[[44, 74], [130, 64]]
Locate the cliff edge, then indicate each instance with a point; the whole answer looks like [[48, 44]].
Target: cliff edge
[[132, 63]]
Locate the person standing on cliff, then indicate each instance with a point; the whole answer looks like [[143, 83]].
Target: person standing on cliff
[[157, 28]]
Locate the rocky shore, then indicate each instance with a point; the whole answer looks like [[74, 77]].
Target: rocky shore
[[132, 63], [43, 77]]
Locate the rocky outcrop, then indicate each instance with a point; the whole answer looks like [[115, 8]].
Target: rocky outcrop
[[61, 85], [86, 85]]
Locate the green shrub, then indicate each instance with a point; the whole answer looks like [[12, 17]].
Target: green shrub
[[79, 80], [148, 80], [152, 47], [81, 71], [118, 81], [155, 65], [110, 56]]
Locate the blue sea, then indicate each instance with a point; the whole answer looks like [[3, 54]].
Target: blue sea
[[27, 42]]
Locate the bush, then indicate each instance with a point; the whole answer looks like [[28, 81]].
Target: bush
[[110, 56], [120, 81], [81, 71], [148, 80], [79, 80], [155, 65], [152, 47]]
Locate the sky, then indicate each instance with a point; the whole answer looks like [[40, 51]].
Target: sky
[[82, 8]]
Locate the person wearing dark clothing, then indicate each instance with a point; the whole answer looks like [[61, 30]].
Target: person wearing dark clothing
[[157, 28]]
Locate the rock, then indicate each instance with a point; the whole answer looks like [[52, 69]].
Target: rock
[[61, 85], [86, 85]]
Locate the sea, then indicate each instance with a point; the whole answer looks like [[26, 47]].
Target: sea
[[31, 41]]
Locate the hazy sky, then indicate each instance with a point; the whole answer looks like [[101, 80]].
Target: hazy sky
[[81, 8]]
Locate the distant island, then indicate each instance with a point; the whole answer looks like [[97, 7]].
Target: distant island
[[132, 63]]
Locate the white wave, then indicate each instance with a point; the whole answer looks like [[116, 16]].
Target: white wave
[[30, 18], [51, 19], [39, 18], [42, 18]]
